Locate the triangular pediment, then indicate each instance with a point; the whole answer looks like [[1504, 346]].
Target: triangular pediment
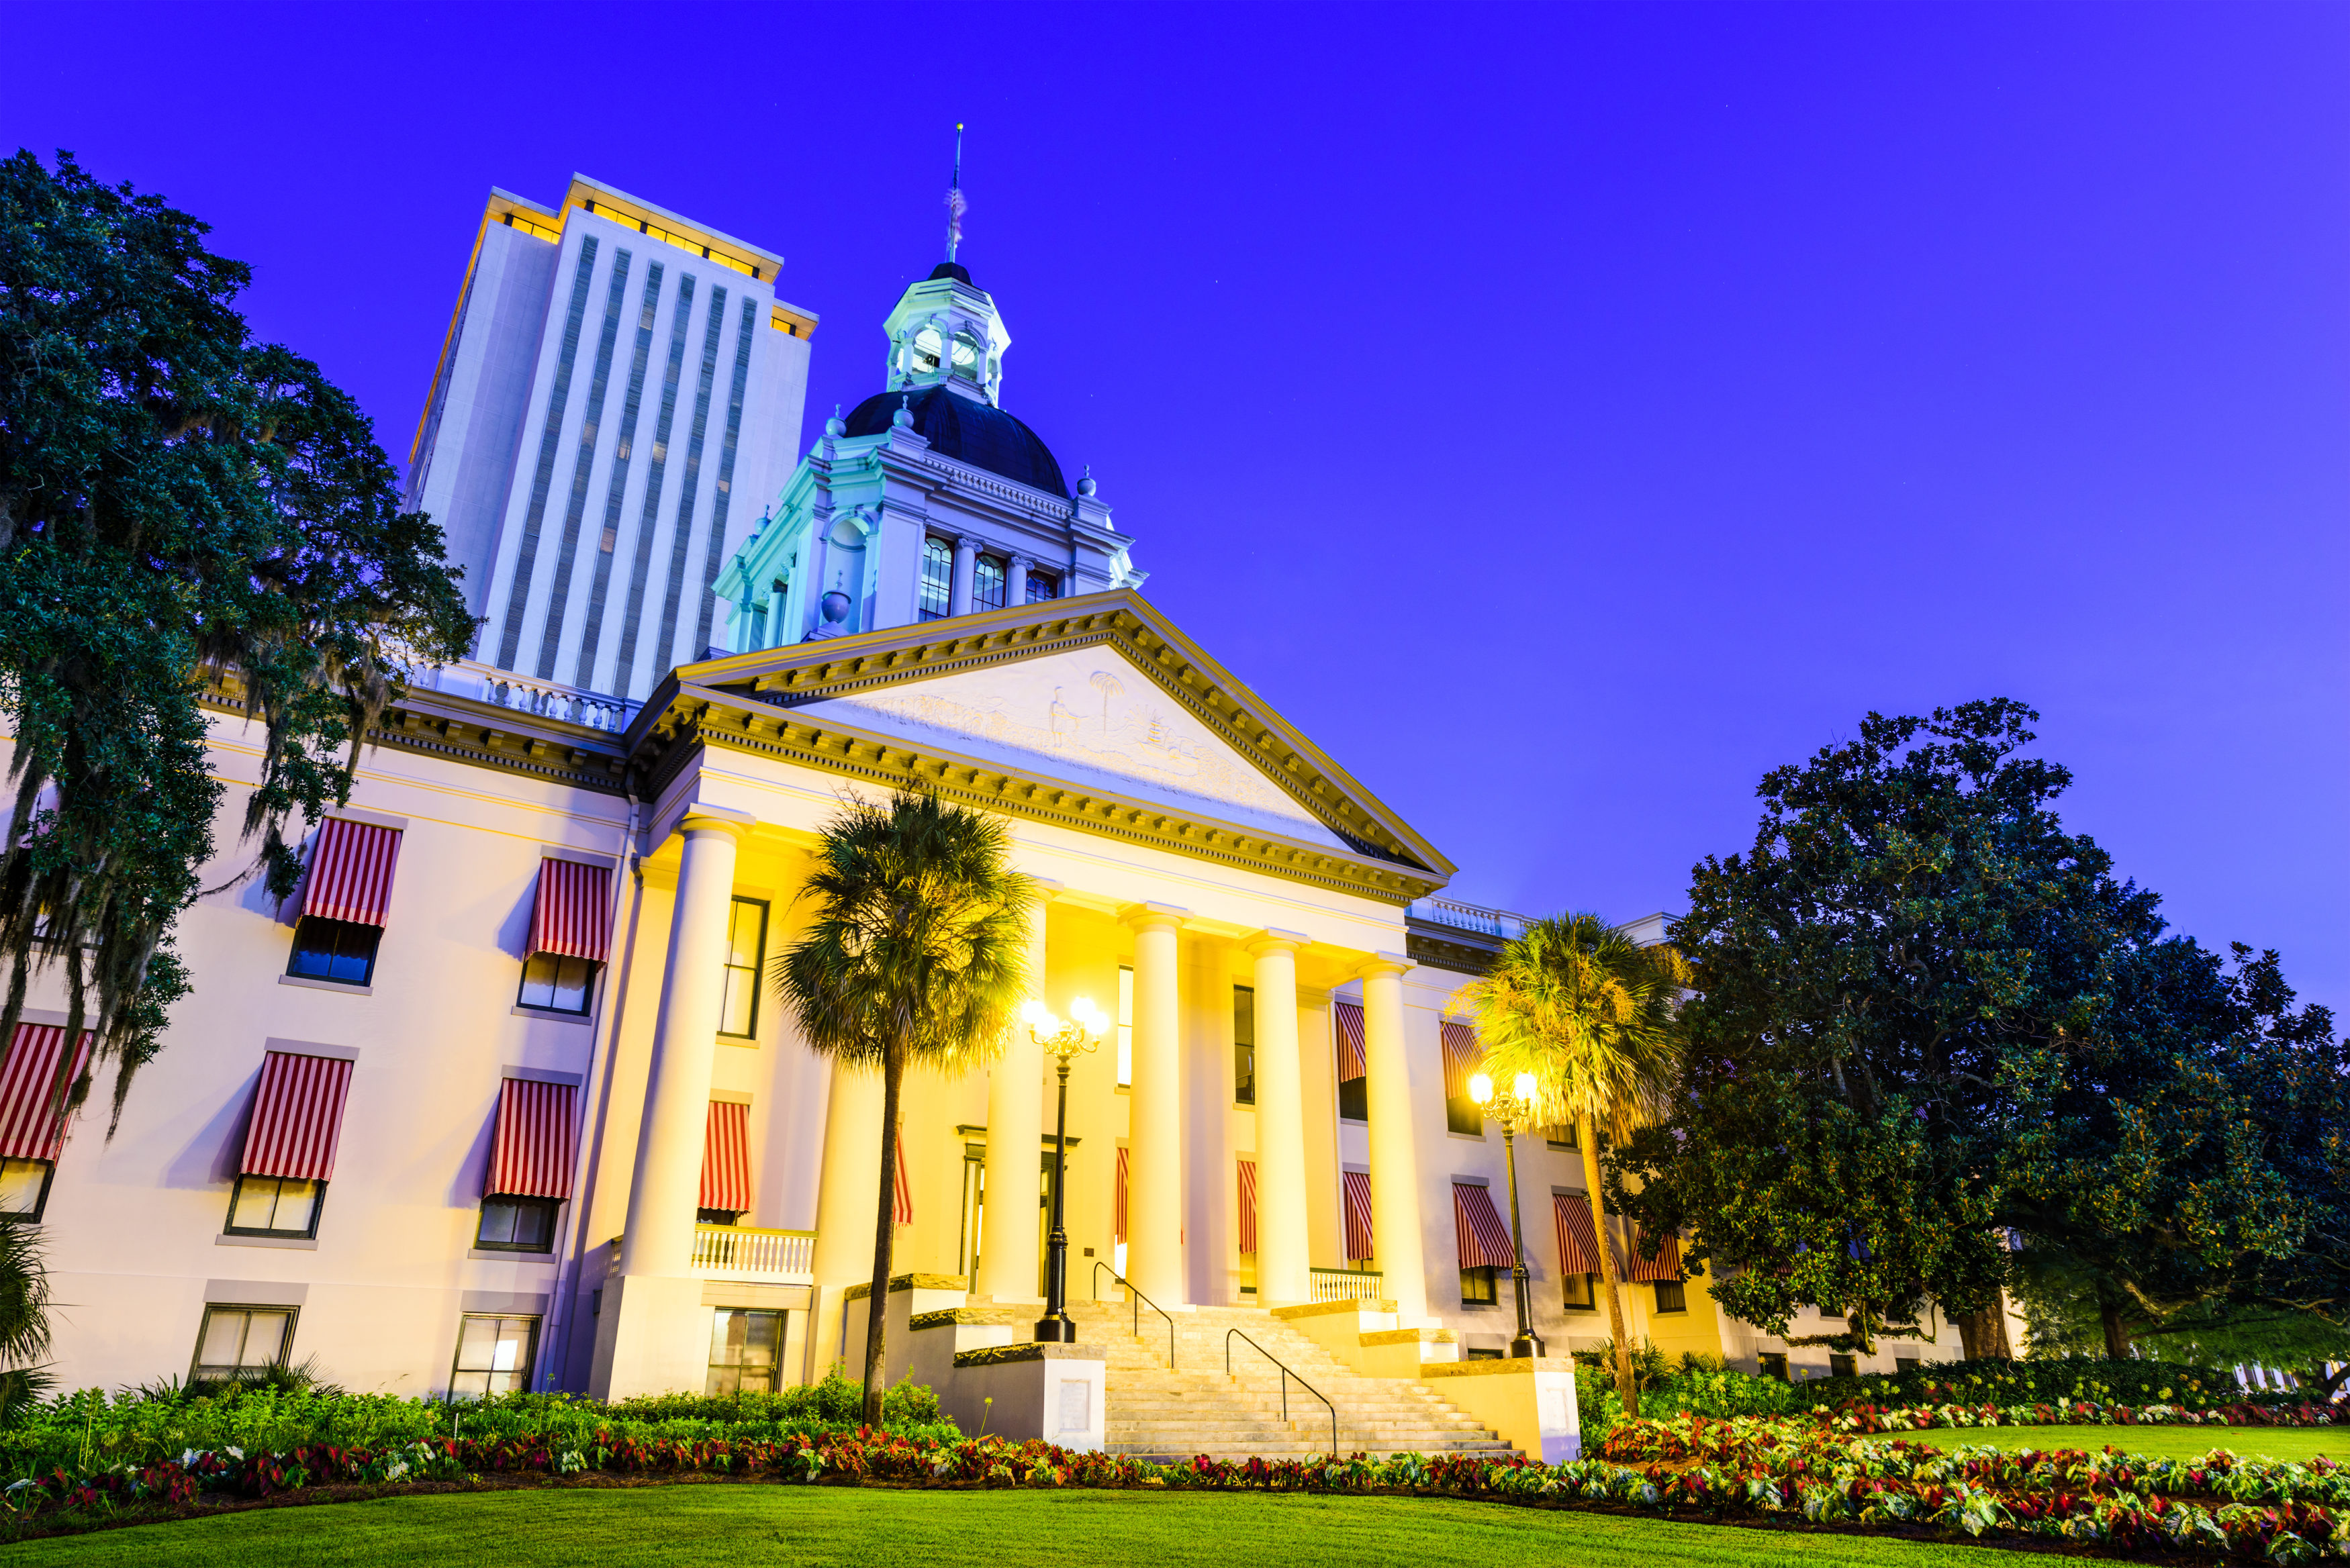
[[1087, 717], [1097, 702]]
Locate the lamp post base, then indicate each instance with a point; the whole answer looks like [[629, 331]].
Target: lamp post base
[[1526, 1346], [1055, 1329]]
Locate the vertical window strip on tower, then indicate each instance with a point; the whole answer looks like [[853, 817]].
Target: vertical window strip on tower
[[583, 465], [649, 520], [591, 636], [550, 442], [938, 577], [682, 535], [713, 557]]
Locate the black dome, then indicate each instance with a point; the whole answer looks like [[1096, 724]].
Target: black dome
[[979, 433]]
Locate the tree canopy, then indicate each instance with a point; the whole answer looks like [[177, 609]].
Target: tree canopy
[[1931, 1024], [178, 505]]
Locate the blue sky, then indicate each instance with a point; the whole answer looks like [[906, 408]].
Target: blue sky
[[1564, 413]]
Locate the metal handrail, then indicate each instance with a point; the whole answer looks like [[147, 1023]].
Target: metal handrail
[[1138, 1301], [1232, 1334]]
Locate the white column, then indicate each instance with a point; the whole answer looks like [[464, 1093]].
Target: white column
[[846, 1198], [1018, 1087], [668, 1187], [966, 561], [1395, 1161], [1154, 1205], [1284, 1259], [1016, 589]]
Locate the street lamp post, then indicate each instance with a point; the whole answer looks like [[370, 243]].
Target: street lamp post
[[1514, 1106], [1065, 1039]]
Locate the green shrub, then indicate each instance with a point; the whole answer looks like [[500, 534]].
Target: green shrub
[[2042, 1383]]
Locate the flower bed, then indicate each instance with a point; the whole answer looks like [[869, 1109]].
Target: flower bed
[[1869, 1419], [1790, 1471]]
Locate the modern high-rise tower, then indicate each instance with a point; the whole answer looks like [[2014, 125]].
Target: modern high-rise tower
[[614, 375]]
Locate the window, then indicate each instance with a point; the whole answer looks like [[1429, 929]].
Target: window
[[745, 1347], [938, 578], [987, 583], [1578, 1292], [238, 1341], [494, 1356], [1043, 586], [1461, 1115], [1125, 1026], [1477, 1287], [1243, 1046], [1672, 1295], [557, 983], [1905, 1364], [716, 1216], [275, 1206], [517, 1225], [1561, 1137], [1773, 1364], [1476, 1354], [1842, 1366], [340, 950], [747, 940], [1354, 1099], [24, 1188]]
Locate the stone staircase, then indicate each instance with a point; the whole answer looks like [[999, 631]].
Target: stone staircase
[[1195, 1408]]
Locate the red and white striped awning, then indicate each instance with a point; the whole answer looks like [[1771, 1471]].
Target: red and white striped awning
[[350, 872], [572, 913], [298, 1117], [902, 1202], [1118, 1217], [1349, 1018], [1355, 1187], [1477, 1226], [1667, 1264], [32, 1119], [1461, 1055], [726, 1157], [537, 1141], [1248, 1206], [1578, 1243]]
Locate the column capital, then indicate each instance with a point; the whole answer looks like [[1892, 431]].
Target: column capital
[[1270, 941], [1384, 964], [698, 818], [1048, 889], [1154, 917]]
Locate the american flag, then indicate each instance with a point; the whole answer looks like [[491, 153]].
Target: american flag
[[956, 206]]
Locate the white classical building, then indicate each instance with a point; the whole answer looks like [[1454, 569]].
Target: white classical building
[[505, 1097]]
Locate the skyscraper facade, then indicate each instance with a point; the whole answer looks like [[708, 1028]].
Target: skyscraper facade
[[614, 375]]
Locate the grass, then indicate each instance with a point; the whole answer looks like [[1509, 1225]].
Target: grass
[[2298, 1443], [739, 1526]]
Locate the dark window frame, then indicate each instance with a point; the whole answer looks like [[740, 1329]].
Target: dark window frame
[[943, 586], [203, 1332], [757, 970], [1843, 1365], [1043, 587], [1480, 1279], [1355, 1099], [980, 587], [586, 990], [1672, 1296], [317, 1211], [551, 1207], [1772, 1364], [1590, 1301], [40, 1204], [1462, 1116], [538, 1322], [783, 1316], [332, 937], [1244, 1045]]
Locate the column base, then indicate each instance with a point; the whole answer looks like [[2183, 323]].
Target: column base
[[652, 1337]]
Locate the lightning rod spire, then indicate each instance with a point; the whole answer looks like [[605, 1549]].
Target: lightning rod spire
[[956, 204]]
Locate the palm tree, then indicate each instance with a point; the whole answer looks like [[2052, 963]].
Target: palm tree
[[24, 1321], [917, 955], [1591, 1014]]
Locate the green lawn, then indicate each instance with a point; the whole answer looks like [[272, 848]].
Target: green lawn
[[734, 1526], [2162, 1442]]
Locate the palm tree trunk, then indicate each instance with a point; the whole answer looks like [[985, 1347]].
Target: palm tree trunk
[[885, 1235], [1588, 1136]]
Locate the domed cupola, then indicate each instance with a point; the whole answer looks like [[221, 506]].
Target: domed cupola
[[979, 434]]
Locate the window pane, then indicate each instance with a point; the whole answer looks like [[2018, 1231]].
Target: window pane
[[533, 1222], [264, 1339], [469, 1385], [223, 1338], [298, 1204], [20, 1185], [734, 1012], [938, 578], [255, 1207], [1042, 587], [572, 977], [497, 1221], [538, 979], [507, 1353], [987, 583], [746, 931], [477, 1340]]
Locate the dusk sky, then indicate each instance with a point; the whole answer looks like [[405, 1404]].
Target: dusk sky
[[1564, 414]]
